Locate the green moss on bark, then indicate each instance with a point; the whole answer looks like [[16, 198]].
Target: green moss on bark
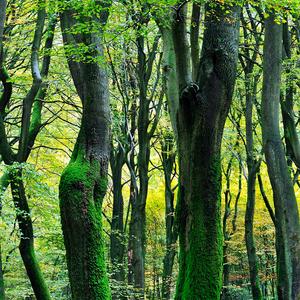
[[201, 241], [81, 193]]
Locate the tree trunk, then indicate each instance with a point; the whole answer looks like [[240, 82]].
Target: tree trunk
[[84, 181], [203, 109], [168, 160], [2, 293], [286, 210], [2, 23], [253, 168], [26, 245], [4, 183], [137, 226], [117, 238], [249, 235], [287, 107]]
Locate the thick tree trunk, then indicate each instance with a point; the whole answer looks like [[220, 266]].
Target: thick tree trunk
[[201, 117], [83, 182], [287, 106], [26, 245], [168, 160], [286, 210]]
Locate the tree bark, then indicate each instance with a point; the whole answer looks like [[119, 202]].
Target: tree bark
[[26, 141], [84, 181], [4, 183], [253, 168], [286, 210], [137, 226], [26, 245], [117, 239], [287, 106], [168, 160], [201, 115], [2, 23]]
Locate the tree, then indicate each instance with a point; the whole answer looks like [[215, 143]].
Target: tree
[[199, 111], [84, 181], [30, 127], [286, 211], [2, 22], [168, 154], [253, 164]]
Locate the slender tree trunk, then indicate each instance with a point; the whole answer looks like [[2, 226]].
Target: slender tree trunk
[[249, 235], [117, 239], [2, 23], [253, 168], [4, 183], [2, 291], [227, 234], [26, 141], [168, 157], [84, 181], [137, 234], [26, 245], [286, 210]]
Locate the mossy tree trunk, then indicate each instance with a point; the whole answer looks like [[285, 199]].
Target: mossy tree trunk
[[83, 182], [202, 108], [286, 210]]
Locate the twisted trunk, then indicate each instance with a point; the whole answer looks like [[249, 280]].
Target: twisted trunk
[[26, 245], [84, 181]]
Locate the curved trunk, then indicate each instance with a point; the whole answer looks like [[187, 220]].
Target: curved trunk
[[83, 182], [4, 183], [26, 245]]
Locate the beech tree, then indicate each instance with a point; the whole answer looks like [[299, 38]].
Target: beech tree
[[198, 111], [83, 182], [286, 211]]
